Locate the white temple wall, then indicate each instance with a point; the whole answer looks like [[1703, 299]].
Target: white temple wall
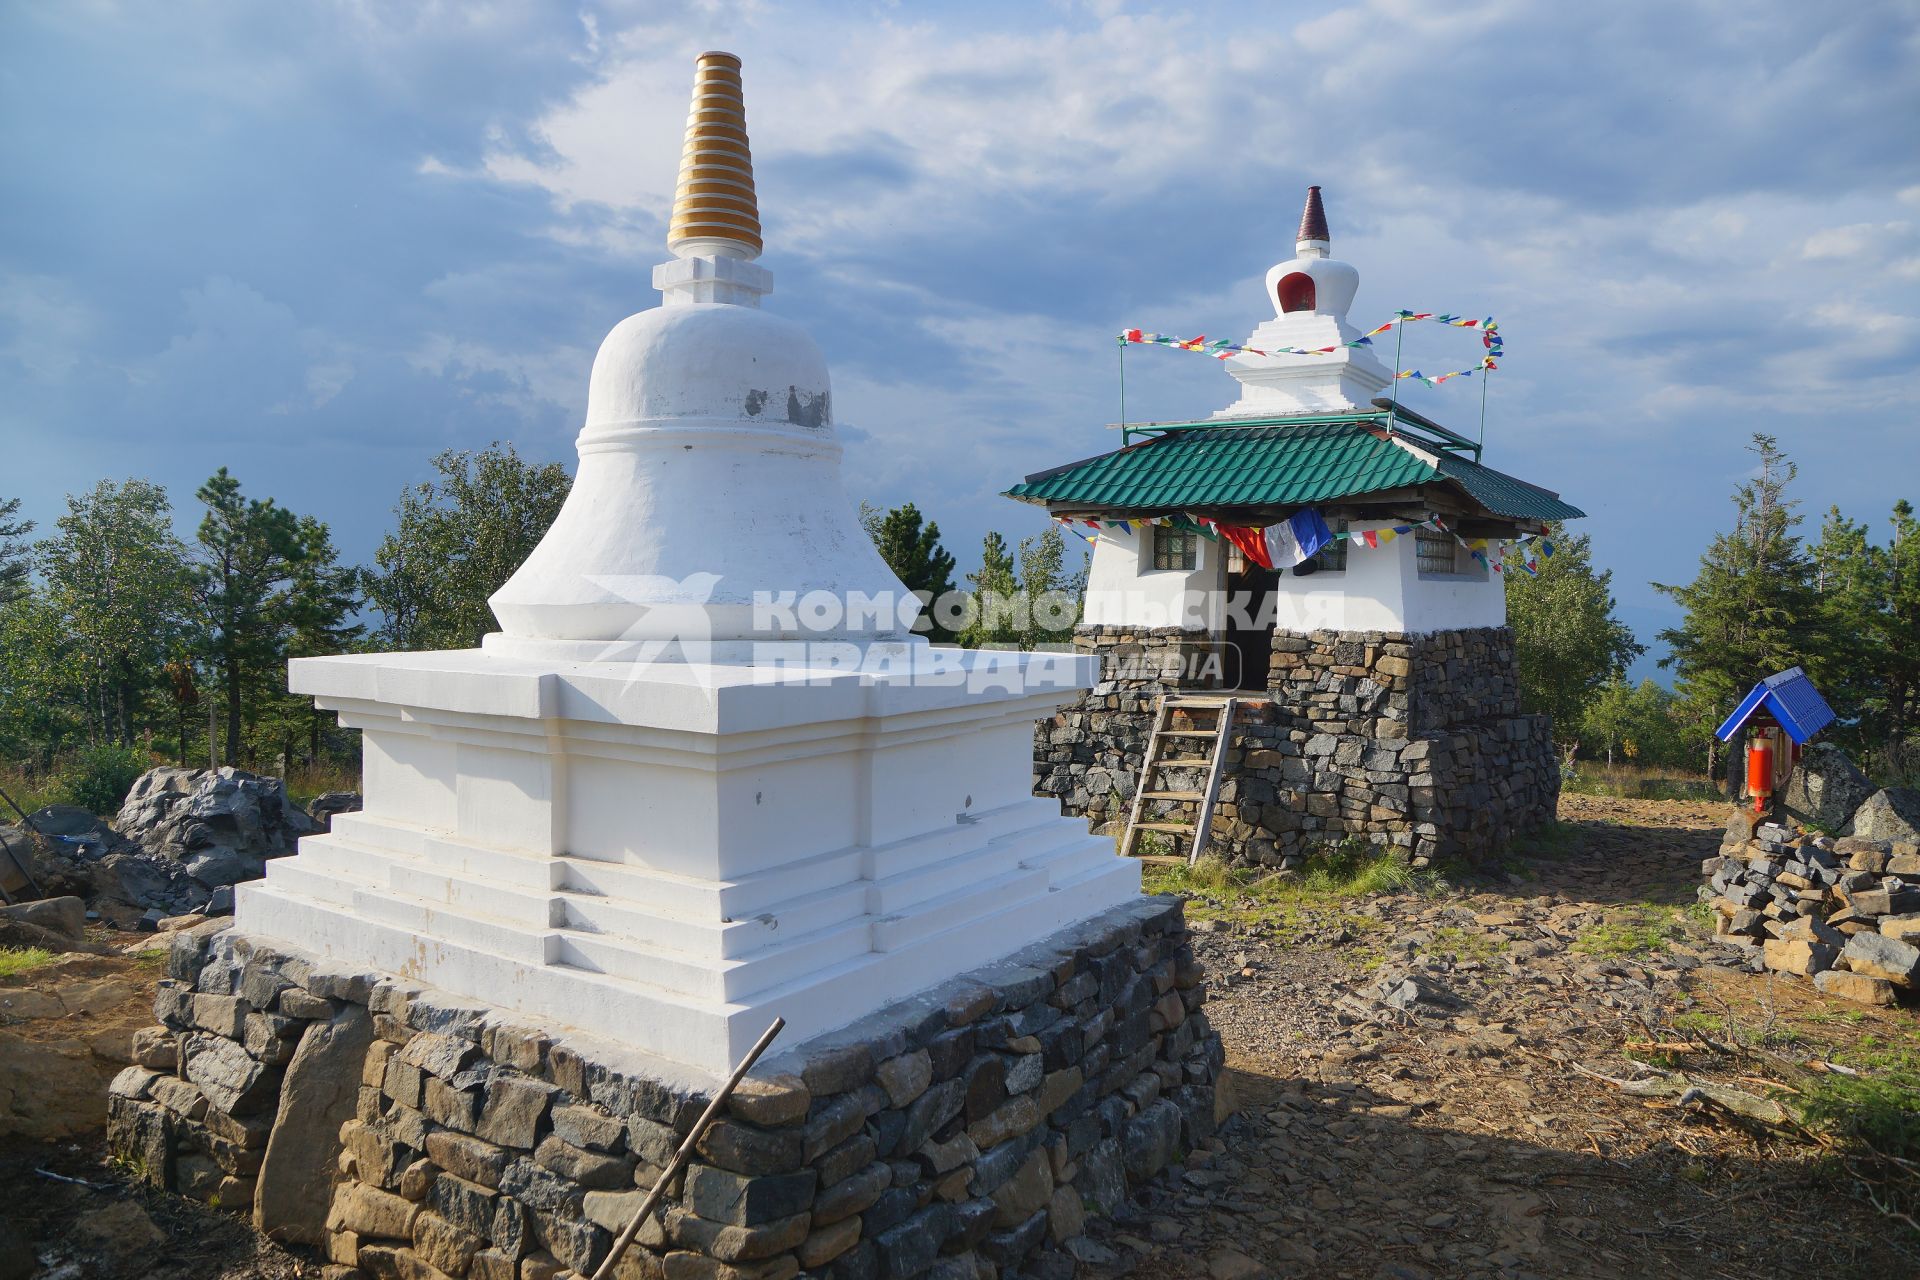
[[1452, 603], [1381, 589], [1125, 590]]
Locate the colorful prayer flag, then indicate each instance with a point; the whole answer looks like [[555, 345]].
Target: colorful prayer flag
[[1297, 539]]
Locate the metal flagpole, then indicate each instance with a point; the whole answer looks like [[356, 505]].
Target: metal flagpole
[[1123, 394], [1399, 337], [1482, 443]]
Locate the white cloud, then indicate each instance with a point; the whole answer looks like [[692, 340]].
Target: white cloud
[[44, 324]]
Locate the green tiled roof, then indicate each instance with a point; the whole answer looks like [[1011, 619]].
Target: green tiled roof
[[1294, 464]]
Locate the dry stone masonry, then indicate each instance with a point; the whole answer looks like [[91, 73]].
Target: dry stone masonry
[[1412, 743], [1831, 893], [1843, 911], [965, 1133]]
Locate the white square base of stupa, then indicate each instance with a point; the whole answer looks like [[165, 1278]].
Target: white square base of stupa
[[669, 855]]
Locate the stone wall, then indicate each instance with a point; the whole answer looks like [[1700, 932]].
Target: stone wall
[[1462, 676], [1152, 657], [1411, 743], [964, 1133]]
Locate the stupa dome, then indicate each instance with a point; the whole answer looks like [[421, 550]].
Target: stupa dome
[[709, 479], [709, 360], [1311, 281]]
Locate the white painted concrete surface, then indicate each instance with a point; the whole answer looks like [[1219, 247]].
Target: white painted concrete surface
[[654, 809]]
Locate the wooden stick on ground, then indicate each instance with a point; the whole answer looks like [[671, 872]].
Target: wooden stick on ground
[[1684, 1091], [680, 1157]]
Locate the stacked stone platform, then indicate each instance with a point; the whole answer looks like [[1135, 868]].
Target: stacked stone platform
[[1843, 911], [405, 1133], [1412, 743]]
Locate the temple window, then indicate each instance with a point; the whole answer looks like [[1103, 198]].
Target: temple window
[[1175, 548]]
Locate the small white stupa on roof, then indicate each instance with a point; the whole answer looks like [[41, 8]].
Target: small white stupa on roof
[[704, 775], [1310, 293]]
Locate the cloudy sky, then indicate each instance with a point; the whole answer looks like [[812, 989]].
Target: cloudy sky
[[319, 242]]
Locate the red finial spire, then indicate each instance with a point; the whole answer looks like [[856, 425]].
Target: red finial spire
[[1313, 221]]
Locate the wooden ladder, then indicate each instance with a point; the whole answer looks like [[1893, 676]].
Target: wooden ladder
[[1164, 738]]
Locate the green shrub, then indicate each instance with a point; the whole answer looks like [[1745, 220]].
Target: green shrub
[[97, 779]]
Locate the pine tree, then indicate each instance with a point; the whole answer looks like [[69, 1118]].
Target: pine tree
[[14, 551], [1753, 609], [1898, 642], [999, 612], [912, 550], [1567, 643], [1851, 579], [251, 564]]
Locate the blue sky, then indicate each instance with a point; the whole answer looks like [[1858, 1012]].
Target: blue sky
[[317, 243]]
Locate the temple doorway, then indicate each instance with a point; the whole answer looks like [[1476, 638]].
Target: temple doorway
[[1249, 625]]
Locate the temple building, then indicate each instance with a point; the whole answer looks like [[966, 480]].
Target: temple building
[[1334, 560]]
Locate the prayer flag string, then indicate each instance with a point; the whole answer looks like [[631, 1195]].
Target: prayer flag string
[[1496, 554], [1222, 348]]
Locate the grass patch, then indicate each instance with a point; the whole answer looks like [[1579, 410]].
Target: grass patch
[[1288, 909], [1875, 1115], [22, 959], [1465, 944], [1635, 930], [1351, 870], [1639, 782], [306, 782], [1849, 1076]]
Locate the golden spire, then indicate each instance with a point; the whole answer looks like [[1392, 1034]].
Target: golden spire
[[714, 210]]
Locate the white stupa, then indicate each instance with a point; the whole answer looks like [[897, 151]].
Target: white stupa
[[681, 792], [1310, 293]]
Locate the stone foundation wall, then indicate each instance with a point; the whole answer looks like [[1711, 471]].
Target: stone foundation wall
[[1461, 676], [964, 1133], [1410, 743], [1152, 657]]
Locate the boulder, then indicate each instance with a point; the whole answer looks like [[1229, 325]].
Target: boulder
[[19, 935], [1892, 814], [1826, 788], [144, 881], [213, 816], [70, 822], [318, 1096], [65, 916], [1854, 986], [1874, 956], [327, 806]]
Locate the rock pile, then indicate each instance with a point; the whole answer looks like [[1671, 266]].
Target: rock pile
[[1844, 911], [961, 1133], [182, 839], [221, 825]]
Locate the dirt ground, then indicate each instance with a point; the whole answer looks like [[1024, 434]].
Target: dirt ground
[[1458, 1137], [1409, 1073], [66, 1213]]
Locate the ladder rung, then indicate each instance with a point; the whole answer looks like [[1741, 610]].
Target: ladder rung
[[1176, 795], [1190, 733], [1182, 762], [1160, 859], [1163, 826], [1209, 704]]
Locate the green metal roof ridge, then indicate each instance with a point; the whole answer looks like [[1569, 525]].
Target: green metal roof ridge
[[1296, 462]]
